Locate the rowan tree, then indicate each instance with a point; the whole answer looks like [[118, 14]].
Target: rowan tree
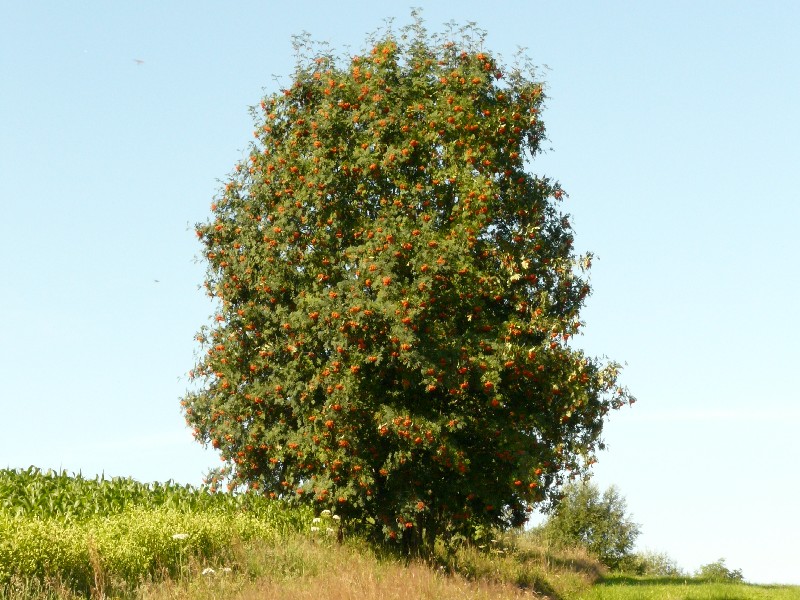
[[397, 295]]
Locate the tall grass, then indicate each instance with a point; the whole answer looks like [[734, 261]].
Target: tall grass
[[524, 560], [66, 537], [100, 536], [302, 568]]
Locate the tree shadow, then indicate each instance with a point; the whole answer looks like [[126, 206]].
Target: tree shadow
[[539, 585], [633, 581], [590, 567]]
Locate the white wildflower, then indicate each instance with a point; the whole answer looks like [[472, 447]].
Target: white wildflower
[[337, 518], [180, 536], [314, 529], [316, 520], [207, 571], [326, 513]]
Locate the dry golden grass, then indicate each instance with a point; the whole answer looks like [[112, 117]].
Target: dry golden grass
[[301, 569], [356, 580]]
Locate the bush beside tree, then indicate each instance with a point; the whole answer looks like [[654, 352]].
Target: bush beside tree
[[717, 571], [598, 521], [651, 564]]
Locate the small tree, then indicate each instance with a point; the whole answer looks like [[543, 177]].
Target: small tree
[[599, 522], [717, 571], [397, 296]]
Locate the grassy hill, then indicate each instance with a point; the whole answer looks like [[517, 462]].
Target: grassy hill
[[66, 537]]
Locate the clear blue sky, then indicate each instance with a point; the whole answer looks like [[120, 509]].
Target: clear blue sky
[[674, 127]]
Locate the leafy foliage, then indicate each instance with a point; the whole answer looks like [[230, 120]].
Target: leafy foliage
[[651, 564], [396, 297], [599, 522], [717, 571]]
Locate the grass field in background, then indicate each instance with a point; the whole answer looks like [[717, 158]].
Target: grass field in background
[[624, 587]]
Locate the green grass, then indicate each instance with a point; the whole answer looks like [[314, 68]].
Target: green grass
[[622, 587]]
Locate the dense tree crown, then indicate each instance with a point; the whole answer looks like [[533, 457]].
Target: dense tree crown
[[397, 295]]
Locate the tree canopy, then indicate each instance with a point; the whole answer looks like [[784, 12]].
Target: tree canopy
[[397, 296]]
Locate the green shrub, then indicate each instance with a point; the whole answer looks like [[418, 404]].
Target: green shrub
[[653, 564], [597, 521], [717, 571]]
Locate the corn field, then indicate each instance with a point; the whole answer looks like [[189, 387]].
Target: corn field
[[89, 533], [48, 494]]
